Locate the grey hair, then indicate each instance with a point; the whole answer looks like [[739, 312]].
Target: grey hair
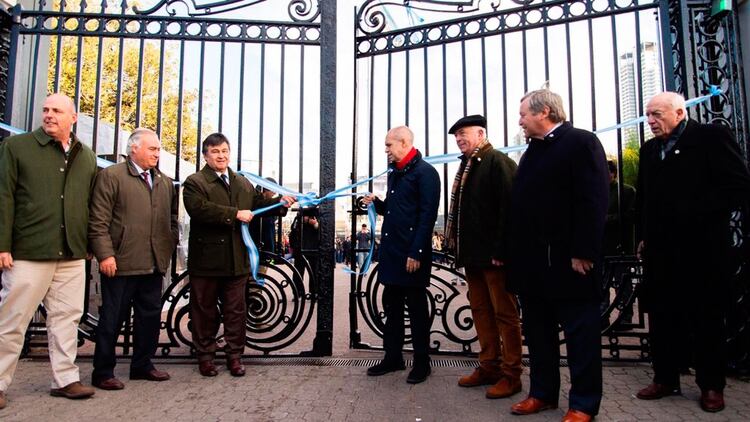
[[135, 138], [545, 98]]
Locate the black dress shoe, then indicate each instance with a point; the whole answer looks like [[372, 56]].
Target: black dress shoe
[[419, 374], [150, 375], [385, 367]]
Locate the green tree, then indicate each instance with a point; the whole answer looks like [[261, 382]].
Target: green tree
[[109, 72], [630, 160]]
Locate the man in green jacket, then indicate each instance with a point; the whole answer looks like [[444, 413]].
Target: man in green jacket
[[133, 232], [476, 234], [218, 202], [45, 183]]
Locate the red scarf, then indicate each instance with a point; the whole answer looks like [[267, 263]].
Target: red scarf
[[404, 161]]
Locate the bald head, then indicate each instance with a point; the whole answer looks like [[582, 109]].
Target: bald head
[[398, 143], [664, 113], [59, 113]]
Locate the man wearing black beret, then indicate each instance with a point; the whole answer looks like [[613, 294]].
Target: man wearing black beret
[[475, 233]]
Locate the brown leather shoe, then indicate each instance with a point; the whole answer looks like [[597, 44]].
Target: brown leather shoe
[[712, 401], [152, 375], [108, 384], [656, 391], [576, 416], [3, 400], [530, 406], [74, 390], [480, 376], [235, 367], [207, 368], [506, 387]]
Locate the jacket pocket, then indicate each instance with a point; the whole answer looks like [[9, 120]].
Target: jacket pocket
[[212, 254]]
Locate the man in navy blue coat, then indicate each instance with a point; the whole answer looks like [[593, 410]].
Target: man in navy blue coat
[[410, 209], [558, 210]]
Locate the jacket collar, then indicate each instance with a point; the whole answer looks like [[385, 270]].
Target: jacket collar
[[155, 173], [211, 176], [559, 131], [43, 138], [409, 165]]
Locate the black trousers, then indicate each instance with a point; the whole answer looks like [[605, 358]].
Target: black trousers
[[676, 328], [204, 312], [118, 293], [395, 298], [541, 317]]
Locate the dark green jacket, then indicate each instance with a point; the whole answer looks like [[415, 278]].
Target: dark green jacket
[[215, 247], [135, 224], [44, 200], [484, 207]]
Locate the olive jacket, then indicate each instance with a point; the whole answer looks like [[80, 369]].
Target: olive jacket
[[44, 197], [215, 247], [132, 222]]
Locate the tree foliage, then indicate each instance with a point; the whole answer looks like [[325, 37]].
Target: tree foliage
[[108, 71]]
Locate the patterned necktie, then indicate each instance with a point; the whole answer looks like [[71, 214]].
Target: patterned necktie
[[146, 179], [225, 179]]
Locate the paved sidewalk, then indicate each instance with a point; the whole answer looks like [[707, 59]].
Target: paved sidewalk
[[274, 391]]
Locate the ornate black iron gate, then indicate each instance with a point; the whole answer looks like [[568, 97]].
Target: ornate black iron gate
[[606, 57], [247, 68]]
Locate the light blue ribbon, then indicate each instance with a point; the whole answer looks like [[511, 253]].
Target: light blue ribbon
[[310, 199]]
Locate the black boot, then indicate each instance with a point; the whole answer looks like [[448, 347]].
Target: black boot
[[385, 366], [420, 371]]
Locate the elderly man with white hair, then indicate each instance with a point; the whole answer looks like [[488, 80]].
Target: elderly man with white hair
[[133, 232], [691, 177]]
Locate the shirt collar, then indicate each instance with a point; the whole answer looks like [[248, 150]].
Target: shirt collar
[[138, 168]]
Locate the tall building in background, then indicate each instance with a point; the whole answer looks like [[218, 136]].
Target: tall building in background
[[647, 75]]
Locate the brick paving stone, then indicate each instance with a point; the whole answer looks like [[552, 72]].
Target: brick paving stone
[[331, 394]]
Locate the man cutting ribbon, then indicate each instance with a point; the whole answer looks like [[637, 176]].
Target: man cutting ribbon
[[219, 202]]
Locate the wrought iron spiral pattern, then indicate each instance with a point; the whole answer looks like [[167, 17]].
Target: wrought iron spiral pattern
[[373, 40], [449, 312], [738, 313], [624, 337], [278, 311]]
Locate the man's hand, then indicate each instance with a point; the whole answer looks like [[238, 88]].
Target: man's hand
[[288, 200], [367, 199], [497, 262], [6, 260], [412, 265], [108, 266], [639, 250], [581, 266], [244, 215]]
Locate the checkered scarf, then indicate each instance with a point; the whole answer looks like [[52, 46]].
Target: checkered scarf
[[452, 233]]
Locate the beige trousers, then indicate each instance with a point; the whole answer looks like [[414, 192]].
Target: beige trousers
[[60, 286]]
